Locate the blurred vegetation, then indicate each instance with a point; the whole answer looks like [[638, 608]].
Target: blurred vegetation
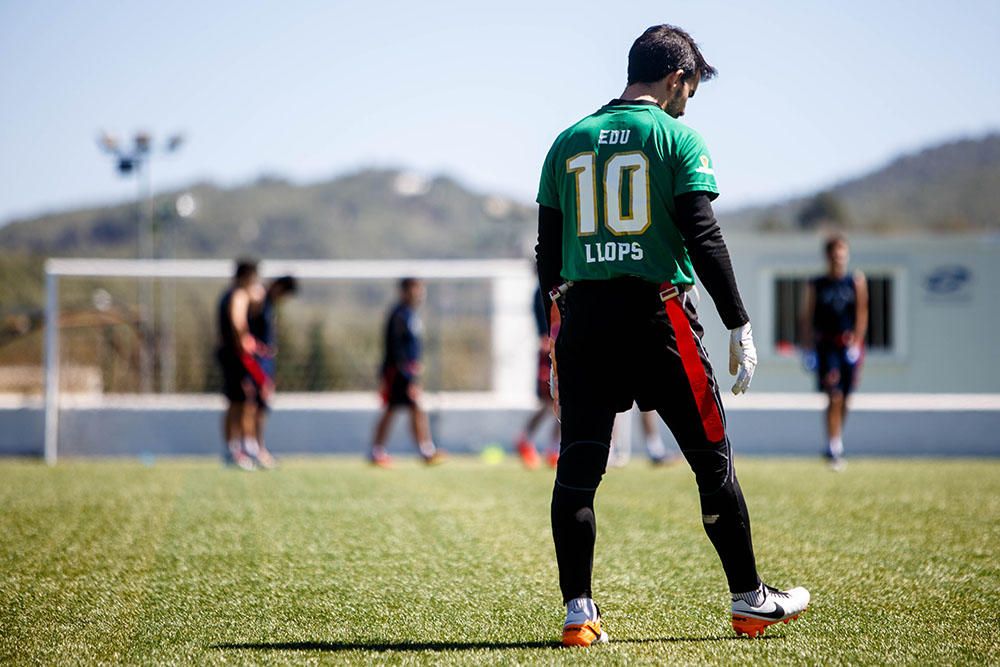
[[328, 340], [949, 188], [370, 214]]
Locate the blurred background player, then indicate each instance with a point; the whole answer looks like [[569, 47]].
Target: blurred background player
[[621, 441], [243, 379], [401, 369], [262, 323], [525, 440], [834, 322]]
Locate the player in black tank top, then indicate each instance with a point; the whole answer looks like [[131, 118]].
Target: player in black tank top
[[242, 378], [834, 322]]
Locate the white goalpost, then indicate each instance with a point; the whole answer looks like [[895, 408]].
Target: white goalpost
[[509, 325]]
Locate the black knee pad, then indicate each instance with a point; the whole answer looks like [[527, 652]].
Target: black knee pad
[[582, 465]]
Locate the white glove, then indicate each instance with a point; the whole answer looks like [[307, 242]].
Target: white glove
[[742, 357], [853, 354]]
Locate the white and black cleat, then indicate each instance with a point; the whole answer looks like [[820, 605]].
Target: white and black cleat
[[777, 607]]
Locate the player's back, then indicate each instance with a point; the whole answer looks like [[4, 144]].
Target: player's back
[[614, 176]]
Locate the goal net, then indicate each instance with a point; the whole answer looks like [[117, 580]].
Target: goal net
[[144, 332]]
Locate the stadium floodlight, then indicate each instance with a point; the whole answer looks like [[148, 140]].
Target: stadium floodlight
[[186, 205], [174, 142], [137, 161]]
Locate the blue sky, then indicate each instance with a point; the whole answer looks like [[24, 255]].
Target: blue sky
[[808, 92]]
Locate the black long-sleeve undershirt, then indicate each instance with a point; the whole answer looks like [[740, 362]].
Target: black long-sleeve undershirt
[[703, 239], [548, 253], [709, 255]]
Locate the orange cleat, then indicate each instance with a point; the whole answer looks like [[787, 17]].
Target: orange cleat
[[777, 607], [583, 624], [437, 458], [529, 455], [584, 635], [552, 457], [381, 460]]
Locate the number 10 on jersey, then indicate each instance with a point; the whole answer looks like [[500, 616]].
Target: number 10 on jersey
[[626, 193]]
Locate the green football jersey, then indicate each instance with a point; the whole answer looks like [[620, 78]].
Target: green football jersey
[[614, 176]]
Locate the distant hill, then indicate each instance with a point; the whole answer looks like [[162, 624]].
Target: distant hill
[[370, 214], [952, 187]]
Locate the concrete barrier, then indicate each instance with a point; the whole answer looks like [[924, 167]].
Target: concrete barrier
[[763, 424]]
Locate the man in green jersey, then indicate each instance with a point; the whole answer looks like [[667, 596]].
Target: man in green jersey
[[625, 224]]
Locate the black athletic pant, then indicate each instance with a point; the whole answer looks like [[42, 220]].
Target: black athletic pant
[[619, 343]]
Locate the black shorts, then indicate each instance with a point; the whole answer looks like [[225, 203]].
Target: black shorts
[[237, 384], [395, 389], [619, 343], [835, 372]]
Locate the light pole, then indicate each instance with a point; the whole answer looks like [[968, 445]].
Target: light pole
[[136, 159], [182, 209]]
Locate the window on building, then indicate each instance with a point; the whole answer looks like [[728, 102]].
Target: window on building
[[788, 293]]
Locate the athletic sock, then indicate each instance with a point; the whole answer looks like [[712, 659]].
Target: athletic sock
[[582, 607], [233, 446], [836, 447], [427, 448], [574, 531], [655, 448], [727, 524], [754, 598], [251, 446], [378, 451]]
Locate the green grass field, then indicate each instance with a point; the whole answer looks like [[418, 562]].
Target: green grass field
[[327, 560]]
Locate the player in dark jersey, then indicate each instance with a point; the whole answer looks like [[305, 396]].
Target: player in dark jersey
[[524, 442], [243, 379], [835, 321], [625, 221], [401, 369], [262, 322]]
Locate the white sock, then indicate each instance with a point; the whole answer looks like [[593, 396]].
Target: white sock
[[581, 609], [655, 447], [233, 445], [378, 451], [251, 446], [837, 446], [754, 598], [427, 448]]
